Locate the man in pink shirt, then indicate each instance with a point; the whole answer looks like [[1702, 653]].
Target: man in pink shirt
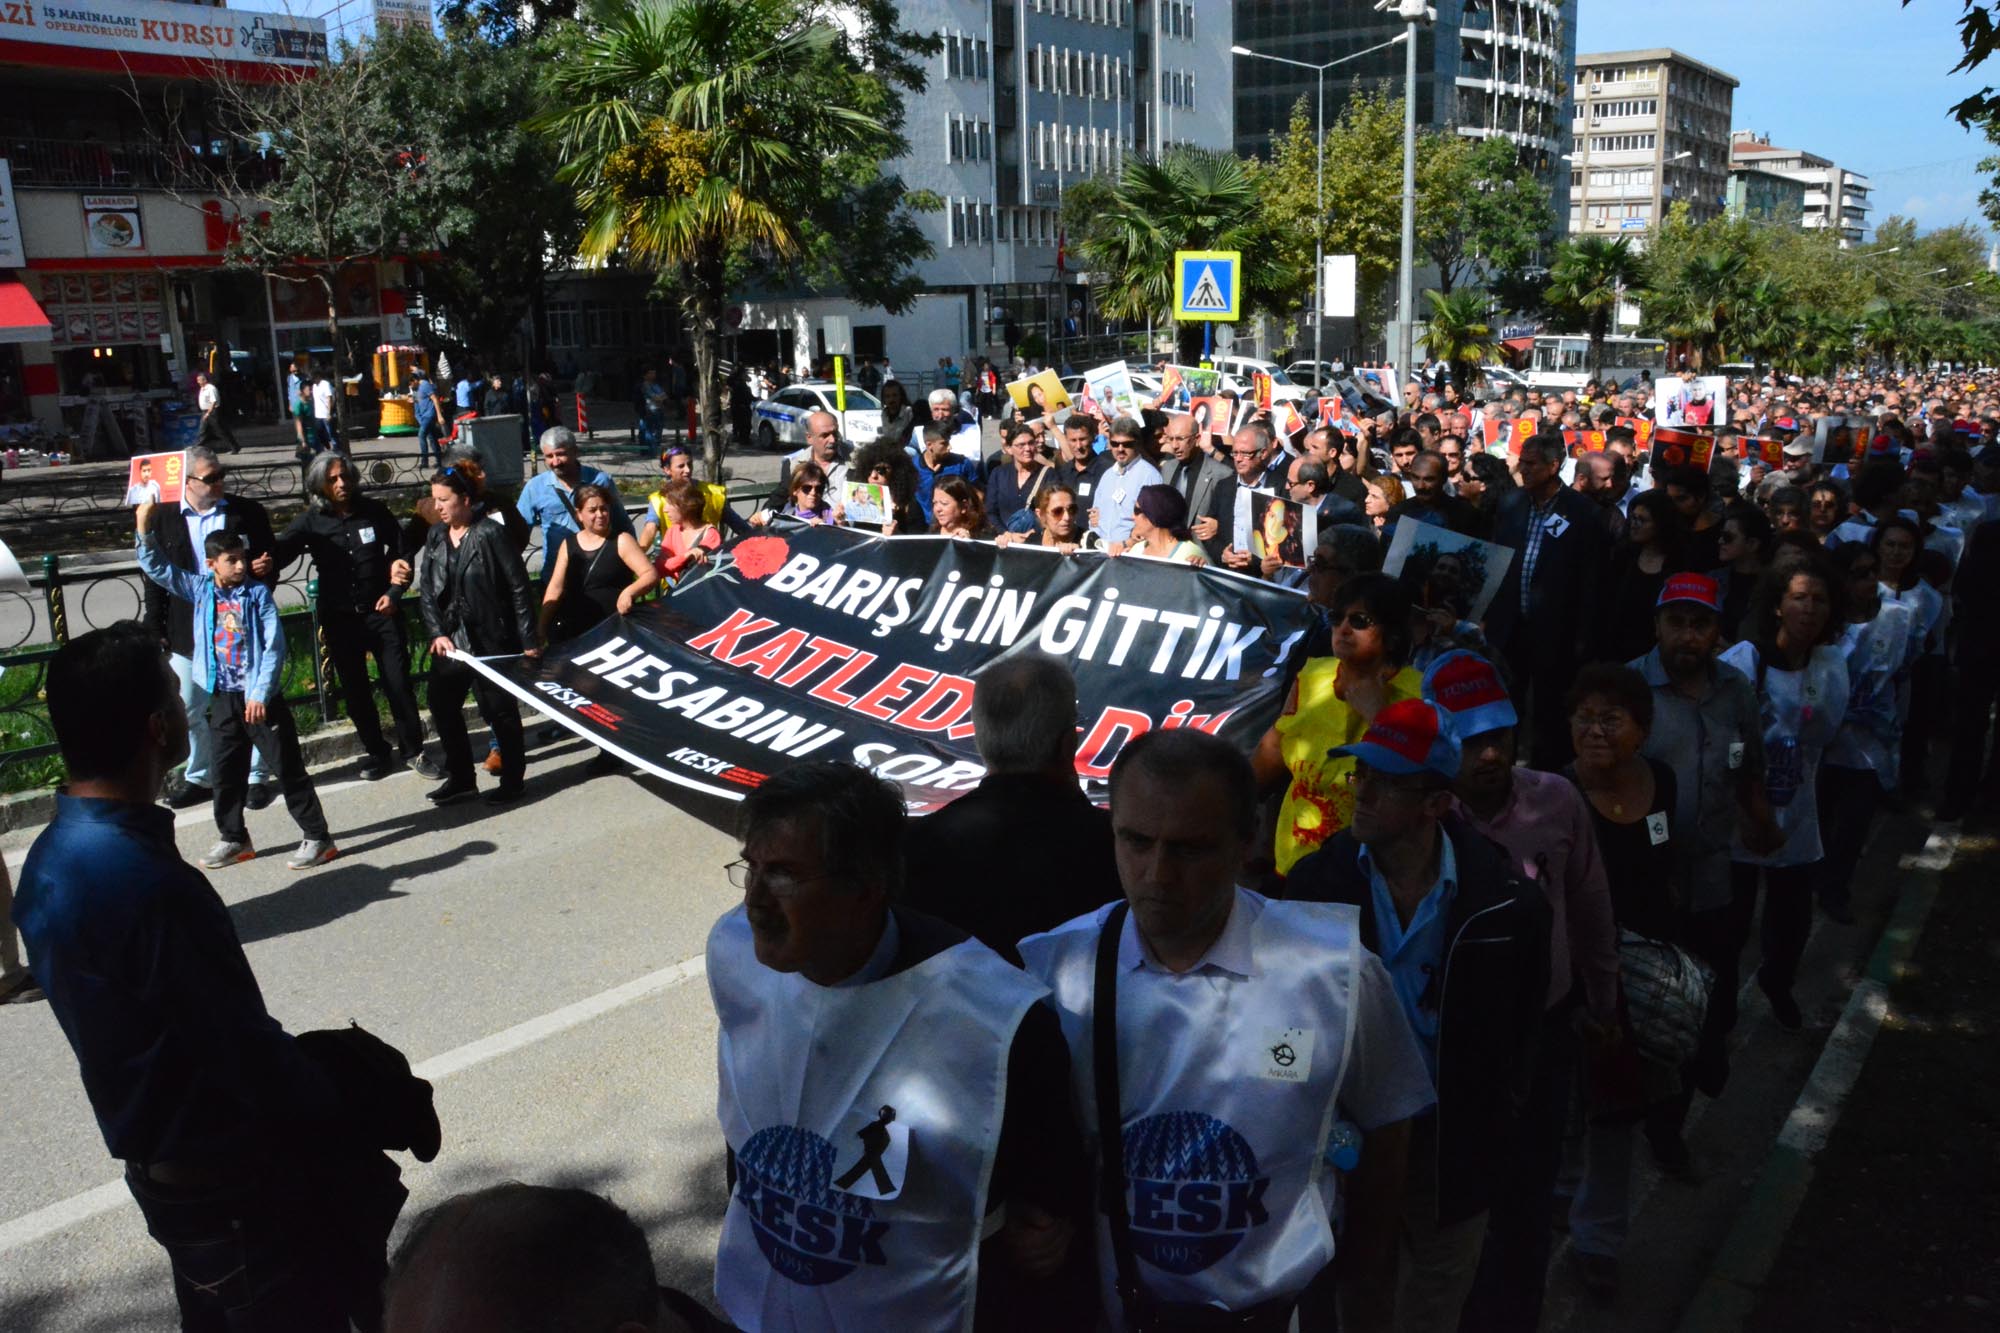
[[1541, 822]]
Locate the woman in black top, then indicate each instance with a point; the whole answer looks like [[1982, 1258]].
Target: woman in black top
[[475, 602], [1651, 553], [596, 574], [1631, 799]]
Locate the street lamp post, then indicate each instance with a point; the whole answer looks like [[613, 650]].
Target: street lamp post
[[1412, 12], [1319, 182]]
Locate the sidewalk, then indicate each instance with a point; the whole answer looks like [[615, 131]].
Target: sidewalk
[[1900, 1226]]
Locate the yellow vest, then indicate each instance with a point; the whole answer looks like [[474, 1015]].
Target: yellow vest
[[1320, 800], [714, 499]]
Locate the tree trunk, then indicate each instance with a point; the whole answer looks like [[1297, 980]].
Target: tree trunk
[[1598, 321], [705, 298], [339, 367]]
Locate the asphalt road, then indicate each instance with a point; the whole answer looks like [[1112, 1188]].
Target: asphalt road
[[542, 964]]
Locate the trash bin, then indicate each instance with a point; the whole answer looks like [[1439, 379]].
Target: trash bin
[[498, 440]]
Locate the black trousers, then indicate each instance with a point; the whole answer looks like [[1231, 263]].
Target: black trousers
[[351, 637], [1542, 673], [1930, 707], [214, 433], [276, 738], [1788, 903], [1847, 801], [284, 1251], [1972, 725], [1508, 1289], [451, 681]]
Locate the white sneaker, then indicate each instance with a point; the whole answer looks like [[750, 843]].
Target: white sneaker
[[312, 852], [228, 853]]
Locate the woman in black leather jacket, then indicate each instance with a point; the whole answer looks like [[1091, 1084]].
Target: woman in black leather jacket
[[476, 601]]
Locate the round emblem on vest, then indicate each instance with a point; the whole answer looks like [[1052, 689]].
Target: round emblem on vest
[[810, 1232], [1195, 1190]]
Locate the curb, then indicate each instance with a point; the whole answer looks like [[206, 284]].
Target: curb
[[1735, 1281], [331, 744]]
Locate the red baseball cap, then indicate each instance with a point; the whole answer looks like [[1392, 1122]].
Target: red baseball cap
[[1409, 736], [1698, 589]]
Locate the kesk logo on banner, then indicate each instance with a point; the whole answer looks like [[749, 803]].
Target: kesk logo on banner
[[809, 1230], [1195, 1188], [822, 642]]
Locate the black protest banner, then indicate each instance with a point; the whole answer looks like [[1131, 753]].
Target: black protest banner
[[822, 642]]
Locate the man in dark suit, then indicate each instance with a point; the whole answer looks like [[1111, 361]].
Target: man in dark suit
[[1027, 850], [203, 511], [1549, 597], [1192, 470]]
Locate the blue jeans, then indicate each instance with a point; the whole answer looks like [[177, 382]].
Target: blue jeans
[[430, 441], [201, 746]]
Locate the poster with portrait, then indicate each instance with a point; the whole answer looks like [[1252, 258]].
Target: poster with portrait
[[1833, 439], [1380, 381], [1265, 522], [1642, 431], [1211, 415], [1039, 395], [866, 502], [1181, 385], [1696, 402], [1679, 448], [1109, 392], [155, 478], [1582, 442], [1448, 568]]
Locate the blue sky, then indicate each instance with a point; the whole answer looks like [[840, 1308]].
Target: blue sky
[[1864, 82]]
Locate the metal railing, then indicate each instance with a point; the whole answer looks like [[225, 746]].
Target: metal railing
[[109, 164]]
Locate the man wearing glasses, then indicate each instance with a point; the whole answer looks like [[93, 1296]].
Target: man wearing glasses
[[204, 511], [888, 1087], [1197, 474], [1250, 459], [1119, 484]]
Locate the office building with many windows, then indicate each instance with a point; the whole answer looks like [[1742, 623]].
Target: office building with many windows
[[1650, 129], [1025, 98], [1830, 198]]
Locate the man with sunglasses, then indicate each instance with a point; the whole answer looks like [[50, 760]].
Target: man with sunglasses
[[894, 1095], [1119, 484], [204, 511]]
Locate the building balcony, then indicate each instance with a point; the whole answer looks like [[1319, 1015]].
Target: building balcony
[[99, 164]]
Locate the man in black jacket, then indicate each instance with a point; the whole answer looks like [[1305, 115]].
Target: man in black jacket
[[1025, 851], [1977, 656], [1548, 600], [359, 564], [1188, 467], [1466, 943], [203, 511]]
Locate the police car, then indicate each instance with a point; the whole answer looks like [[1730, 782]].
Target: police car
[[781, 418]]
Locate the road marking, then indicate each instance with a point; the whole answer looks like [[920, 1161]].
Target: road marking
[[79, 1208]]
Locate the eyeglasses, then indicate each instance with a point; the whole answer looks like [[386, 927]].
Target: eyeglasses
[[1246, 453], [812, 488], [212, 479], [1604, 724], [1355, 620], [1320, 565], [1057, 511], [774, 882]]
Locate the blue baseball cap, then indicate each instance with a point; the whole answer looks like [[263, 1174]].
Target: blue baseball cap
[[1409, 736], [1468, 691]]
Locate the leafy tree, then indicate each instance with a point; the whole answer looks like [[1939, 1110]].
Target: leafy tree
[[1980, 38], [1587, 279], [1493, 214], [484, 266], [1127, 229], [719, 141], [1459, 333]]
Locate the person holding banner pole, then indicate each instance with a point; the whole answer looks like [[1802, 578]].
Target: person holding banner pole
[[476, 601]]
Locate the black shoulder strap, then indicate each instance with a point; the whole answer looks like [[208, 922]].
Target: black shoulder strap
[[1110, 1131]]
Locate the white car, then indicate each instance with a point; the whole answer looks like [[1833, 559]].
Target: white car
[[1238, 373], [780, 420]]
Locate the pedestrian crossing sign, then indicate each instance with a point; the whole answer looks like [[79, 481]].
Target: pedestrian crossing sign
[[1207, 284]]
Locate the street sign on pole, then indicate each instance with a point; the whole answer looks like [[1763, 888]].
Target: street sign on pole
[[1207, 285], [1339, 285], [839, 333]]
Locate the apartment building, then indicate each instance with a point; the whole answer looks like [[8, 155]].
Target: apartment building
[[1832, 197], [1650, 130]]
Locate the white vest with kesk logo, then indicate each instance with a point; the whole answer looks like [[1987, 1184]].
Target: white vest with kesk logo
[[1228, 1086], [809, 1075]]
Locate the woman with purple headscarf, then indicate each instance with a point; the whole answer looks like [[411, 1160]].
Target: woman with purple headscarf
[[1159, 528]]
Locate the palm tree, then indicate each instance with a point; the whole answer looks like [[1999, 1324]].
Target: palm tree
[[700, 133], [1825, 343], [1589, 277], [1191, 199], [1766, 323], [1712, 287], [1887, 330], [1458, 333]]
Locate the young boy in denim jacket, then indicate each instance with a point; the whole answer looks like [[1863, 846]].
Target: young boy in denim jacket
[[239, 657]]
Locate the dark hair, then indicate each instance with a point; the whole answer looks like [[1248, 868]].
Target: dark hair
[[1760, 622], [1619, 434], [456, 481], [936, 430], [1692, 479], [1893, 523], [1492, 472], [1048, 492], [592, 491], [98, 698], [859, 817], [684, 495], [1549, 445], [540, 1256], [1667, 523], [1188, 752], [803, 473], [1756, 525], [1847, 555], [1795, 496], [972, 506], [1877, 482], [218, 542], [1617, 682], [1388, 601]]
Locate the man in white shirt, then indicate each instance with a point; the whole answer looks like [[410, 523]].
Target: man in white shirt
[[1244, 1027], [214, 429], [322, 392]]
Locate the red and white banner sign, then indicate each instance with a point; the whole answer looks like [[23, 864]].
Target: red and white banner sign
[[163, 28]]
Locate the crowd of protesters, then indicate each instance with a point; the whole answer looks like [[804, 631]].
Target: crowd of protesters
[[1303, 1035]]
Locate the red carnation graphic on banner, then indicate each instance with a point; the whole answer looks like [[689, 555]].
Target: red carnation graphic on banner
[[761, 557]]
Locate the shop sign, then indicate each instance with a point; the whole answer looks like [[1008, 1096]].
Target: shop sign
[[111, 225], [165, 28], [12, 253]]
